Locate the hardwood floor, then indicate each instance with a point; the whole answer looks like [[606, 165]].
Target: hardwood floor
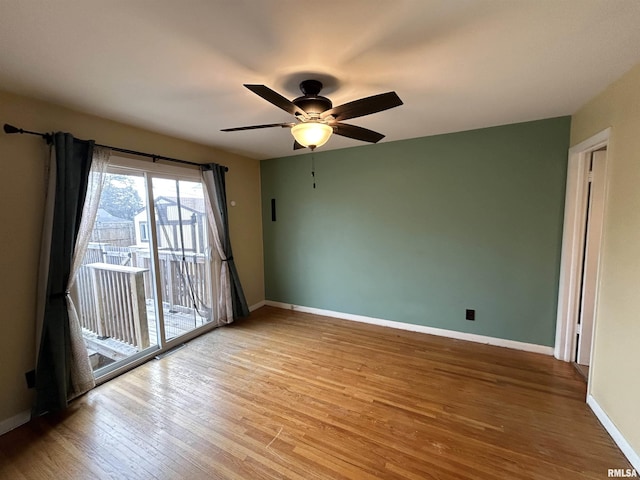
[[297, 396]]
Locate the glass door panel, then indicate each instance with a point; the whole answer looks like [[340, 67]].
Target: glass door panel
[[114, 292], [183, 260]]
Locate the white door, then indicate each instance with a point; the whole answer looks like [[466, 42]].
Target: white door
[[593, 235]]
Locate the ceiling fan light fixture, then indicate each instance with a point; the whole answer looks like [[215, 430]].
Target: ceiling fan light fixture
[[316, 117], [311, 134]]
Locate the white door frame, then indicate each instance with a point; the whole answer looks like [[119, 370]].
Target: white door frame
[[575, 210]]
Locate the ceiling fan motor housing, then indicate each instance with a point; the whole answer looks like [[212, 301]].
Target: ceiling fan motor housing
[[311, 102], [313, 105]]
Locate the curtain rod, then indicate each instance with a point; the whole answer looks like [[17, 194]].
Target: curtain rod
[[49, 139]]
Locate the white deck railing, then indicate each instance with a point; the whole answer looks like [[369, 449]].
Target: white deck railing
[[119, 303], [114, 283], [182, 281]]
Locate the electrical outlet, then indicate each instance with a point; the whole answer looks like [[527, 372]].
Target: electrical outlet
[[470, 315]]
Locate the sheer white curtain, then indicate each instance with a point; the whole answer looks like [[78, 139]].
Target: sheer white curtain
[[82, 378], [224, 304]]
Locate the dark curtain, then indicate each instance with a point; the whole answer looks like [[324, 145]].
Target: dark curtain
[[240, 308], [73, 162]]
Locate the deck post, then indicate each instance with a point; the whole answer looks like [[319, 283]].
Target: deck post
[[140, 323], [169, 269]]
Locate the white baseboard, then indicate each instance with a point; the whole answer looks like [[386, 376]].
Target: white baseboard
[[14, 422], [609, 426], [470, 337], [256, 306]]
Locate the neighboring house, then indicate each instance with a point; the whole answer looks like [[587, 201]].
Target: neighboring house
[[105, 217], [191, 215]]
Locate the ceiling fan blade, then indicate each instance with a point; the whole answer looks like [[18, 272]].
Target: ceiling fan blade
[[276, 99], [254, 127], [358, 133], [297, 146], [364, 106]]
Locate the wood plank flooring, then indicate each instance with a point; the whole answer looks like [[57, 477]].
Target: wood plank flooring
[[287, 395]]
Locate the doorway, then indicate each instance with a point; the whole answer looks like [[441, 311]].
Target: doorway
[[146, 284], [590, 259], [581, 245]]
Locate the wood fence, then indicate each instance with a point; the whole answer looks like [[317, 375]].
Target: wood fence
[[120, 234]]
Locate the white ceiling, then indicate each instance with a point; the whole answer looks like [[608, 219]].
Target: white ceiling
[[178, 67]]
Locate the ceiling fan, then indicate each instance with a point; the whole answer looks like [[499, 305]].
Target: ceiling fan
[[317, 118]]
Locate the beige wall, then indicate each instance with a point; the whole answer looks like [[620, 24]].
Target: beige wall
[[616, 363], [22, 173]]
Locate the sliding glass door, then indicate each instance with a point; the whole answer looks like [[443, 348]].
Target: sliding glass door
[[182, 240], [146, 278]]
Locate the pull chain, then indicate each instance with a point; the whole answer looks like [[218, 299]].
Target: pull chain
[[313, 168]]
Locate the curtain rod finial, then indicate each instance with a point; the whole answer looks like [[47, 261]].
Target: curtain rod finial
[[11, 129]]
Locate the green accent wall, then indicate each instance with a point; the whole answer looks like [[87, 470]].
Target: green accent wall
[[419, 230]]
